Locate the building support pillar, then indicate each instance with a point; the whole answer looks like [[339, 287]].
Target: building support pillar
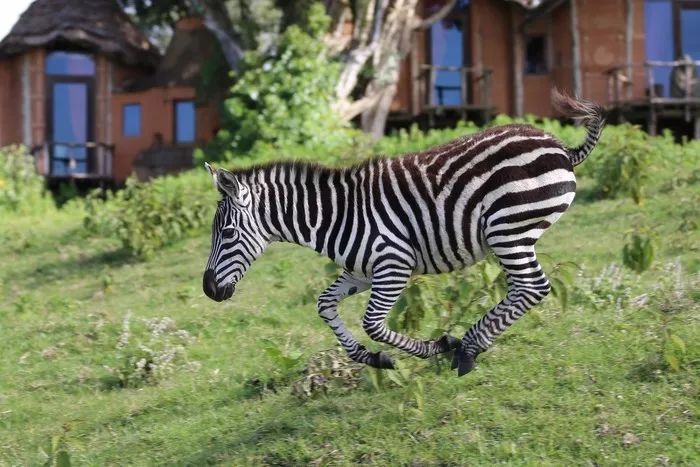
[[576, 49]]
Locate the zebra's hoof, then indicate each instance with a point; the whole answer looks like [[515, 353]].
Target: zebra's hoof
[[463, 362], [447, 343], [381, 360]]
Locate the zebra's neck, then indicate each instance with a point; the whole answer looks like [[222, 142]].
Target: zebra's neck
[[302, 203]]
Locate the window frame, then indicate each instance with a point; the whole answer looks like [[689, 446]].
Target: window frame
[[545, 55], [194, 122], [140, 127], [50, 80], [679, 5]]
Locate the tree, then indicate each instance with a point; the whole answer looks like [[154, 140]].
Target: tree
[[381, 38], [370, 55]]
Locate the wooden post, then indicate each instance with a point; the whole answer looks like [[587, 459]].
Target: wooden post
[[415, 75], [26, 102], [477, 47], [431, 86], [576, 51], [629, 36], [697, 126], [517, 64]]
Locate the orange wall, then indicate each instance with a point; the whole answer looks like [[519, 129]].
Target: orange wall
[[602, 45], [491, 21], [157, 116]]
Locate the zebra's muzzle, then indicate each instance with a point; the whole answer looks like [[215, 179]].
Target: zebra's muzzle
[[212, 290]]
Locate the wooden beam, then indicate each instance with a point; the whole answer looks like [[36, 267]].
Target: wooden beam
[[629, 40], [576, 48], [518, 66], [26, 102]]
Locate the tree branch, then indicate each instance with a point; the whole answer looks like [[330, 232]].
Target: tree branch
[[444, 11]]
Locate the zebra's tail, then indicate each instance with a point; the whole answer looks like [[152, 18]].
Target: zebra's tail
[[592, 116]]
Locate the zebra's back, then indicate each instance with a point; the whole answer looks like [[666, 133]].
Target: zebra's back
[[448, 201]]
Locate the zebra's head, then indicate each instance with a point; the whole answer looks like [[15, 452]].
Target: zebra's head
[[236, 239]]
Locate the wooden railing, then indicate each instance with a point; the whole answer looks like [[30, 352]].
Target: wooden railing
[[474, 87], [622, 79], [79, 160]]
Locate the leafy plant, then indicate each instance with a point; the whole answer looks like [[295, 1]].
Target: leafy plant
[[638, 252], [21, 187], [56, 453], [622, 162]]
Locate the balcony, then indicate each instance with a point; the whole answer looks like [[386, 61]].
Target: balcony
[[655, 89], [468, 89], [74, 161]]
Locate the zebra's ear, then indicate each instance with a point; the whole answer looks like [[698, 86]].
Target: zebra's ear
[[227, 183], [212, 172]]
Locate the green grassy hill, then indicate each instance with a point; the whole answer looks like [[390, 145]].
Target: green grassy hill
[[592, 385]]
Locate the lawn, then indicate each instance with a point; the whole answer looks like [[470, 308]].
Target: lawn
[[613, 379]]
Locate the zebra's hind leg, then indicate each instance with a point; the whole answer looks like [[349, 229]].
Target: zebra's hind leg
[[344, 286], [387, 285], [527, 286]]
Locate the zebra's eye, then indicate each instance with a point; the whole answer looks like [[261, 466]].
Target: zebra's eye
[[229, 231]]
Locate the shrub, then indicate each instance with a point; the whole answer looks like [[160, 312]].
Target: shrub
[[415, 140], [21, 187], [622, 162], [148, 216]]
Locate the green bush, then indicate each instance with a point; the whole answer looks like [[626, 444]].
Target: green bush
[[148, 216], [21, 187], [622, 162], [285, 99]]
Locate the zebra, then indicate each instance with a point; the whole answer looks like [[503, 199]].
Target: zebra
[[387, 219]]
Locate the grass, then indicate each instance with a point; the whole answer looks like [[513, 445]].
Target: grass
[[589, 385]]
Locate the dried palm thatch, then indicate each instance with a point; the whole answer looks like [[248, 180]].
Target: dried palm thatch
[[96, 25]]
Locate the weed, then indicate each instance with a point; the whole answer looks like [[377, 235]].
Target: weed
[[154, 357]]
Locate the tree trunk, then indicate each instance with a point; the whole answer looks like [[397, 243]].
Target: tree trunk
[[385, 38]]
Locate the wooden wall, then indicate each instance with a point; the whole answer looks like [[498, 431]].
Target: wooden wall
[[10, 101], [602, 35], [492, 42]]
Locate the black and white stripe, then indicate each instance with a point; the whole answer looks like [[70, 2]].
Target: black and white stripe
[[387, 219]]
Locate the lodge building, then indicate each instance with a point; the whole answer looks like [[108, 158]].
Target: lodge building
[[84, 88]]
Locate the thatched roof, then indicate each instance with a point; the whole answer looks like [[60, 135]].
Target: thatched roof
[[189, 50], [97, 25]]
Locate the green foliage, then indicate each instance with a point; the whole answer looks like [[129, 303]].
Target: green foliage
[[148, 216], [448, 299], [623, 162], [56, 453], [638, 252], [21, 187], [415, 140], [283, 100]]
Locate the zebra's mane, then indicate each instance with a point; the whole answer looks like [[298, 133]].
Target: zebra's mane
[[298, 165]]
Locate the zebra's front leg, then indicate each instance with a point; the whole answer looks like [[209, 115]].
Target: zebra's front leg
[[344, 286], [527, 286], [387, 286]]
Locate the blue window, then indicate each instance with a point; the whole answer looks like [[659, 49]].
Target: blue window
[[658, 21], [131, 120], [690, 25], [184, 122], [69, 64]]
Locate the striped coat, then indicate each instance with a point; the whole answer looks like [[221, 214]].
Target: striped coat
[[385, 220]]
